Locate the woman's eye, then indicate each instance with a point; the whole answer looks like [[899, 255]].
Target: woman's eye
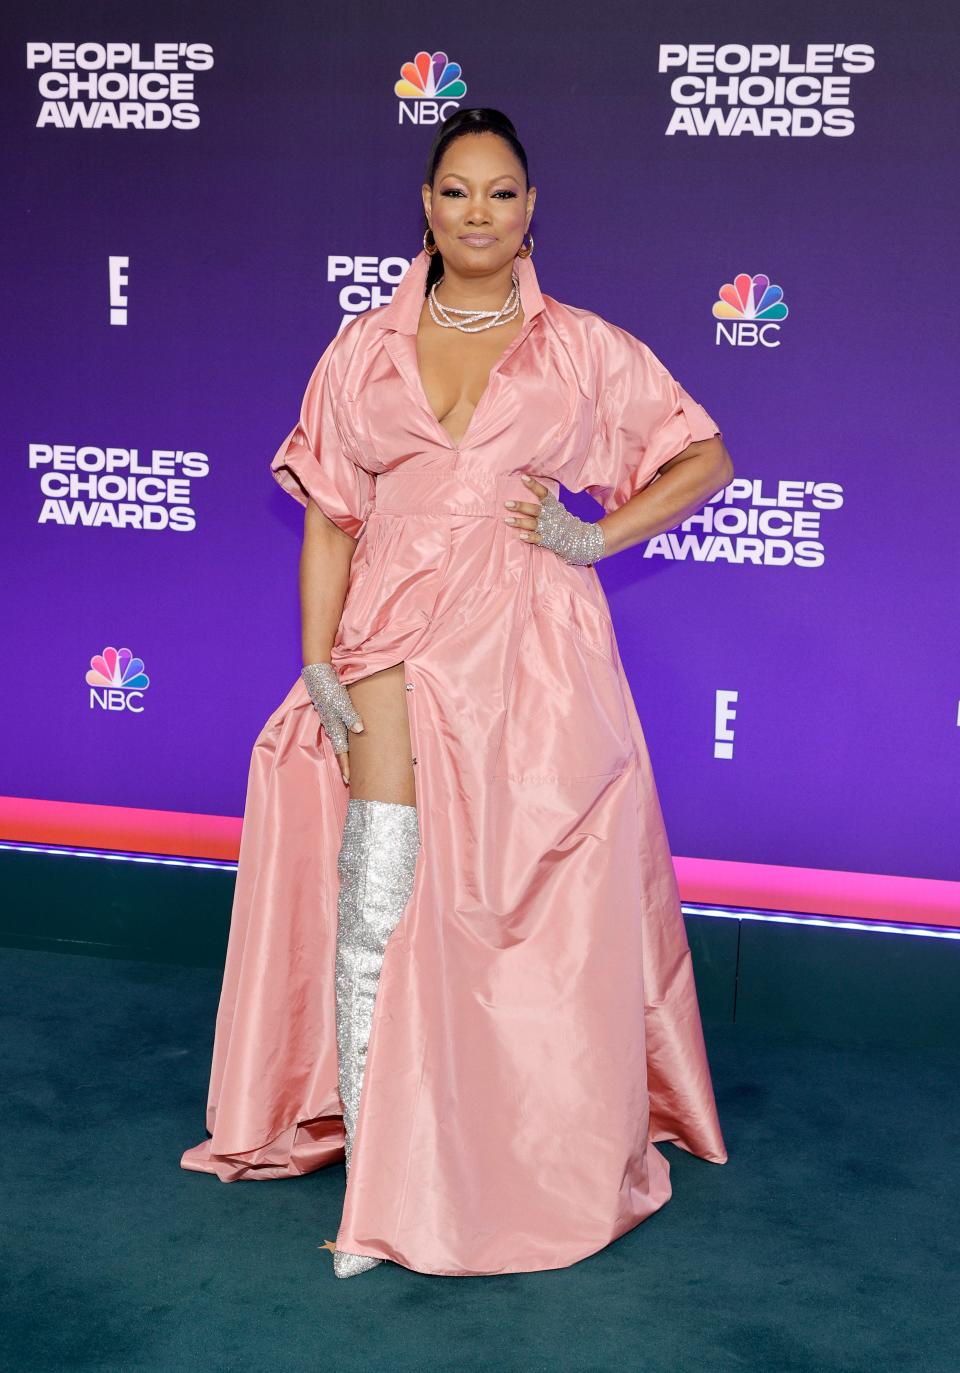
[[455, 190]]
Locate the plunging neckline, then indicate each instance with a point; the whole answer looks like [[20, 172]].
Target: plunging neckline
[[457, 444]]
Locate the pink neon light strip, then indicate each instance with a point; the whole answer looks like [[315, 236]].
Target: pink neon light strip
[[819, 891], [707, 881], [178, 834]]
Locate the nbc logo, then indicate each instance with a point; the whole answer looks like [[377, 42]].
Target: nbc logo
[[753, 307], [429, 88], [117, 681]]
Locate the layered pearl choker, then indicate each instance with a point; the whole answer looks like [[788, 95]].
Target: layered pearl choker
[[473, 321]]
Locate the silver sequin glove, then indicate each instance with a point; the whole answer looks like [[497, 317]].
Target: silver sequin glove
[[336, 710], [574, 540]]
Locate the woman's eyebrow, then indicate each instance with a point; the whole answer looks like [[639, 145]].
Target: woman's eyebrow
[[504, 176]]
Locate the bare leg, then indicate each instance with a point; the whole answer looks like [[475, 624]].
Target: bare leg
[[376, 865], [381, 762]]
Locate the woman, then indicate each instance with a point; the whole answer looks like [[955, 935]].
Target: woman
[[484, 931]]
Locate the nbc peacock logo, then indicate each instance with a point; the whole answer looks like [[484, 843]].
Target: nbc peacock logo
[[749, 310], [117, 681], [429, 88]]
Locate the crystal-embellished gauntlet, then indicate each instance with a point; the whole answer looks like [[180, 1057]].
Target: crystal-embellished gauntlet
[[572, 539], [336, 710]]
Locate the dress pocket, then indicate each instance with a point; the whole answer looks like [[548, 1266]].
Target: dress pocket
[[584, 619], [565, 715]]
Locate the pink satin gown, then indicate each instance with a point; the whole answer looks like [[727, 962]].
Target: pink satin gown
[[536, 1030]]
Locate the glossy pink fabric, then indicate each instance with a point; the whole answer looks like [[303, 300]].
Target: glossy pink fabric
[[537, 1027]]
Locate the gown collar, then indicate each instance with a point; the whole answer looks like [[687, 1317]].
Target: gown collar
[[403, 312]]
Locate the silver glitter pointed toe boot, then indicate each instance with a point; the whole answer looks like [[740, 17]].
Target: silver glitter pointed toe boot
[[376, 863], [349, 1265]]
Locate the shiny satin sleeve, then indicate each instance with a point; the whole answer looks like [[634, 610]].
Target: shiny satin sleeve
[[314, 461], [644, 417]]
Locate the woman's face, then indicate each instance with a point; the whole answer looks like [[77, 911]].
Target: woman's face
[[479, 207]]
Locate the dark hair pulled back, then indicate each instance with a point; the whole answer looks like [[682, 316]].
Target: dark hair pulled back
[[460, 123]]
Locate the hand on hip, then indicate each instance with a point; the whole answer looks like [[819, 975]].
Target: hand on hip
[[551, 525]]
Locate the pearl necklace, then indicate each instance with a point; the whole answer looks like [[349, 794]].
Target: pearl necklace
[[471, 322]]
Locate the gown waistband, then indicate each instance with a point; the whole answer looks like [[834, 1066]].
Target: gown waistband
[[424, 491]]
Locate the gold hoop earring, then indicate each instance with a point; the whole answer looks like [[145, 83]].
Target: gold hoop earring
[[426, 246], [525, 252]]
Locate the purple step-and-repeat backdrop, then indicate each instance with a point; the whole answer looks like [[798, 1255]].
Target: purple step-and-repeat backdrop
[[197, 197]]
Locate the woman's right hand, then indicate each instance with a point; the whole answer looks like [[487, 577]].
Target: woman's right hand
[[337, 712]]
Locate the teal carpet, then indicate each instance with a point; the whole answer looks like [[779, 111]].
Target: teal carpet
[[827, 1244]]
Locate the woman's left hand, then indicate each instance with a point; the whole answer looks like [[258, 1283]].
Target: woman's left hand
[[551, 525]]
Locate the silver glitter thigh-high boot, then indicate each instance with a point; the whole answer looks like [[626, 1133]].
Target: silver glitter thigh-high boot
[[378, 854]]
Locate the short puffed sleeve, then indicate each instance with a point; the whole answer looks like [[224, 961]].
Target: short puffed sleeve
[[643, 418], [314, 460]]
